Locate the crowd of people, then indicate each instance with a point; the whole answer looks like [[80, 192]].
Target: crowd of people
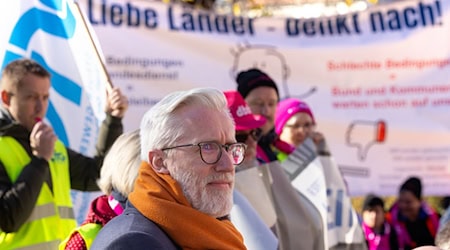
[[203, 171], [409, 223]]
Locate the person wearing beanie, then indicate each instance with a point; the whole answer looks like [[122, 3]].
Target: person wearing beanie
[[378, 232], [261, 94], [415, 221], [269, 191], [294, 122], [257, 235]]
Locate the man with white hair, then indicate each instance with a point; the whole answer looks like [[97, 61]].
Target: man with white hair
[[183, 194]]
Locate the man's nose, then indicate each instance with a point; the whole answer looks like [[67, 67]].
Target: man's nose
[[39, 104], [265, 109], [225, 163]]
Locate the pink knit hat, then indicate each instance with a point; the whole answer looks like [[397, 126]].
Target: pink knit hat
[[286, 109], [241, 112]]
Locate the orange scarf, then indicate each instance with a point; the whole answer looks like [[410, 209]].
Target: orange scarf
[[160, 198]]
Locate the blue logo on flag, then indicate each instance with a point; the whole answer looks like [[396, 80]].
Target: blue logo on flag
[[29, 23]]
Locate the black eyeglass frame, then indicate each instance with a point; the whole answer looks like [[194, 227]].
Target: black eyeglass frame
[[256, 134], [219, 155]]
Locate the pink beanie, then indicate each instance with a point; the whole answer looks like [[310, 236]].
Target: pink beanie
[[286, 109]]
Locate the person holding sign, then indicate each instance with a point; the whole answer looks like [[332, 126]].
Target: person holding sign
[[36, 170], [269, 191], [244, 215], [315, 175]]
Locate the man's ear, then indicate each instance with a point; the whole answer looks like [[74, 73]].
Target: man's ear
[[5, 98], [156, 158]]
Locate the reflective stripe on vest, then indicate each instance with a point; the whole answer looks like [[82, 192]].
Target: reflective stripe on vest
[[41, 211], [87, 231], [52, 218], [46, 245], [66, 212], [47, 210]]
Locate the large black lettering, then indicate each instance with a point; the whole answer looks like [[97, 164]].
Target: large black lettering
[[91, 12], [221, 24], [308, 27], [193, 21], [119, 15], [116, 14], [292, 27], [394, 20], [151, 18], [204, 22], [171, 20], [341, 24], [376, 21], [356, 23], [133, 16], [188, 22], [412, 17], [409, 14]]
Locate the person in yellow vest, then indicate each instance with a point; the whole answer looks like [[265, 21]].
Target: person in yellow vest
[[119, 171], [36, 170]]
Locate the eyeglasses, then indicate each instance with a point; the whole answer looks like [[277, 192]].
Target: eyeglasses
[[261, 104], [307, 125], [255, 133], [210, 152]]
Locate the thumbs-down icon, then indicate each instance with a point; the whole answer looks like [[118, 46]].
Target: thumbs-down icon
[[364, 134]]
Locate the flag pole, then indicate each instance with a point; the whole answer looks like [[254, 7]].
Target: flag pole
[[109, 85]]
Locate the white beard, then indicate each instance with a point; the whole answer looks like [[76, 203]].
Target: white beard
[[216, 203]]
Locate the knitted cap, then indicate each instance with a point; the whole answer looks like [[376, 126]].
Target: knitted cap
[[253, 78], [241, 112], [286, 109], [414, 185]]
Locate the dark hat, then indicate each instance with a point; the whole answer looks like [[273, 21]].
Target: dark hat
[[372, 201], [253, 78], [413, 185]]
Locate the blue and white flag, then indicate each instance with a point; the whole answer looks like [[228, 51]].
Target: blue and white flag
[[53, 33]]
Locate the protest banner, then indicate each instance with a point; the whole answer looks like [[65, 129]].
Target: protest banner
[[377, 80]]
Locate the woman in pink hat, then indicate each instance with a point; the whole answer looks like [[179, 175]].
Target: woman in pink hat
[[268, 188], [248, 126], [294, 122], [246, 218]]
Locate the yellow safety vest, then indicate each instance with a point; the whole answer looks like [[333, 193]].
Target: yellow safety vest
[[87, 231], [52, 218]]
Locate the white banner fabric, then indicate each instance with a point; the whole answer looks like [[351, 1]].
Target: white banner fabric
[[378, 81]]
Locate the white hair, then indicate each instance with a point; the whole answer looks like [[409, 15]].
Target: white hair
[[121, 164], [161, 125]]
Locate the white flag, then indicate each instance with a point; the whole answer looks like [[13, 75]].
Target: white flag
[[53, 33]]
